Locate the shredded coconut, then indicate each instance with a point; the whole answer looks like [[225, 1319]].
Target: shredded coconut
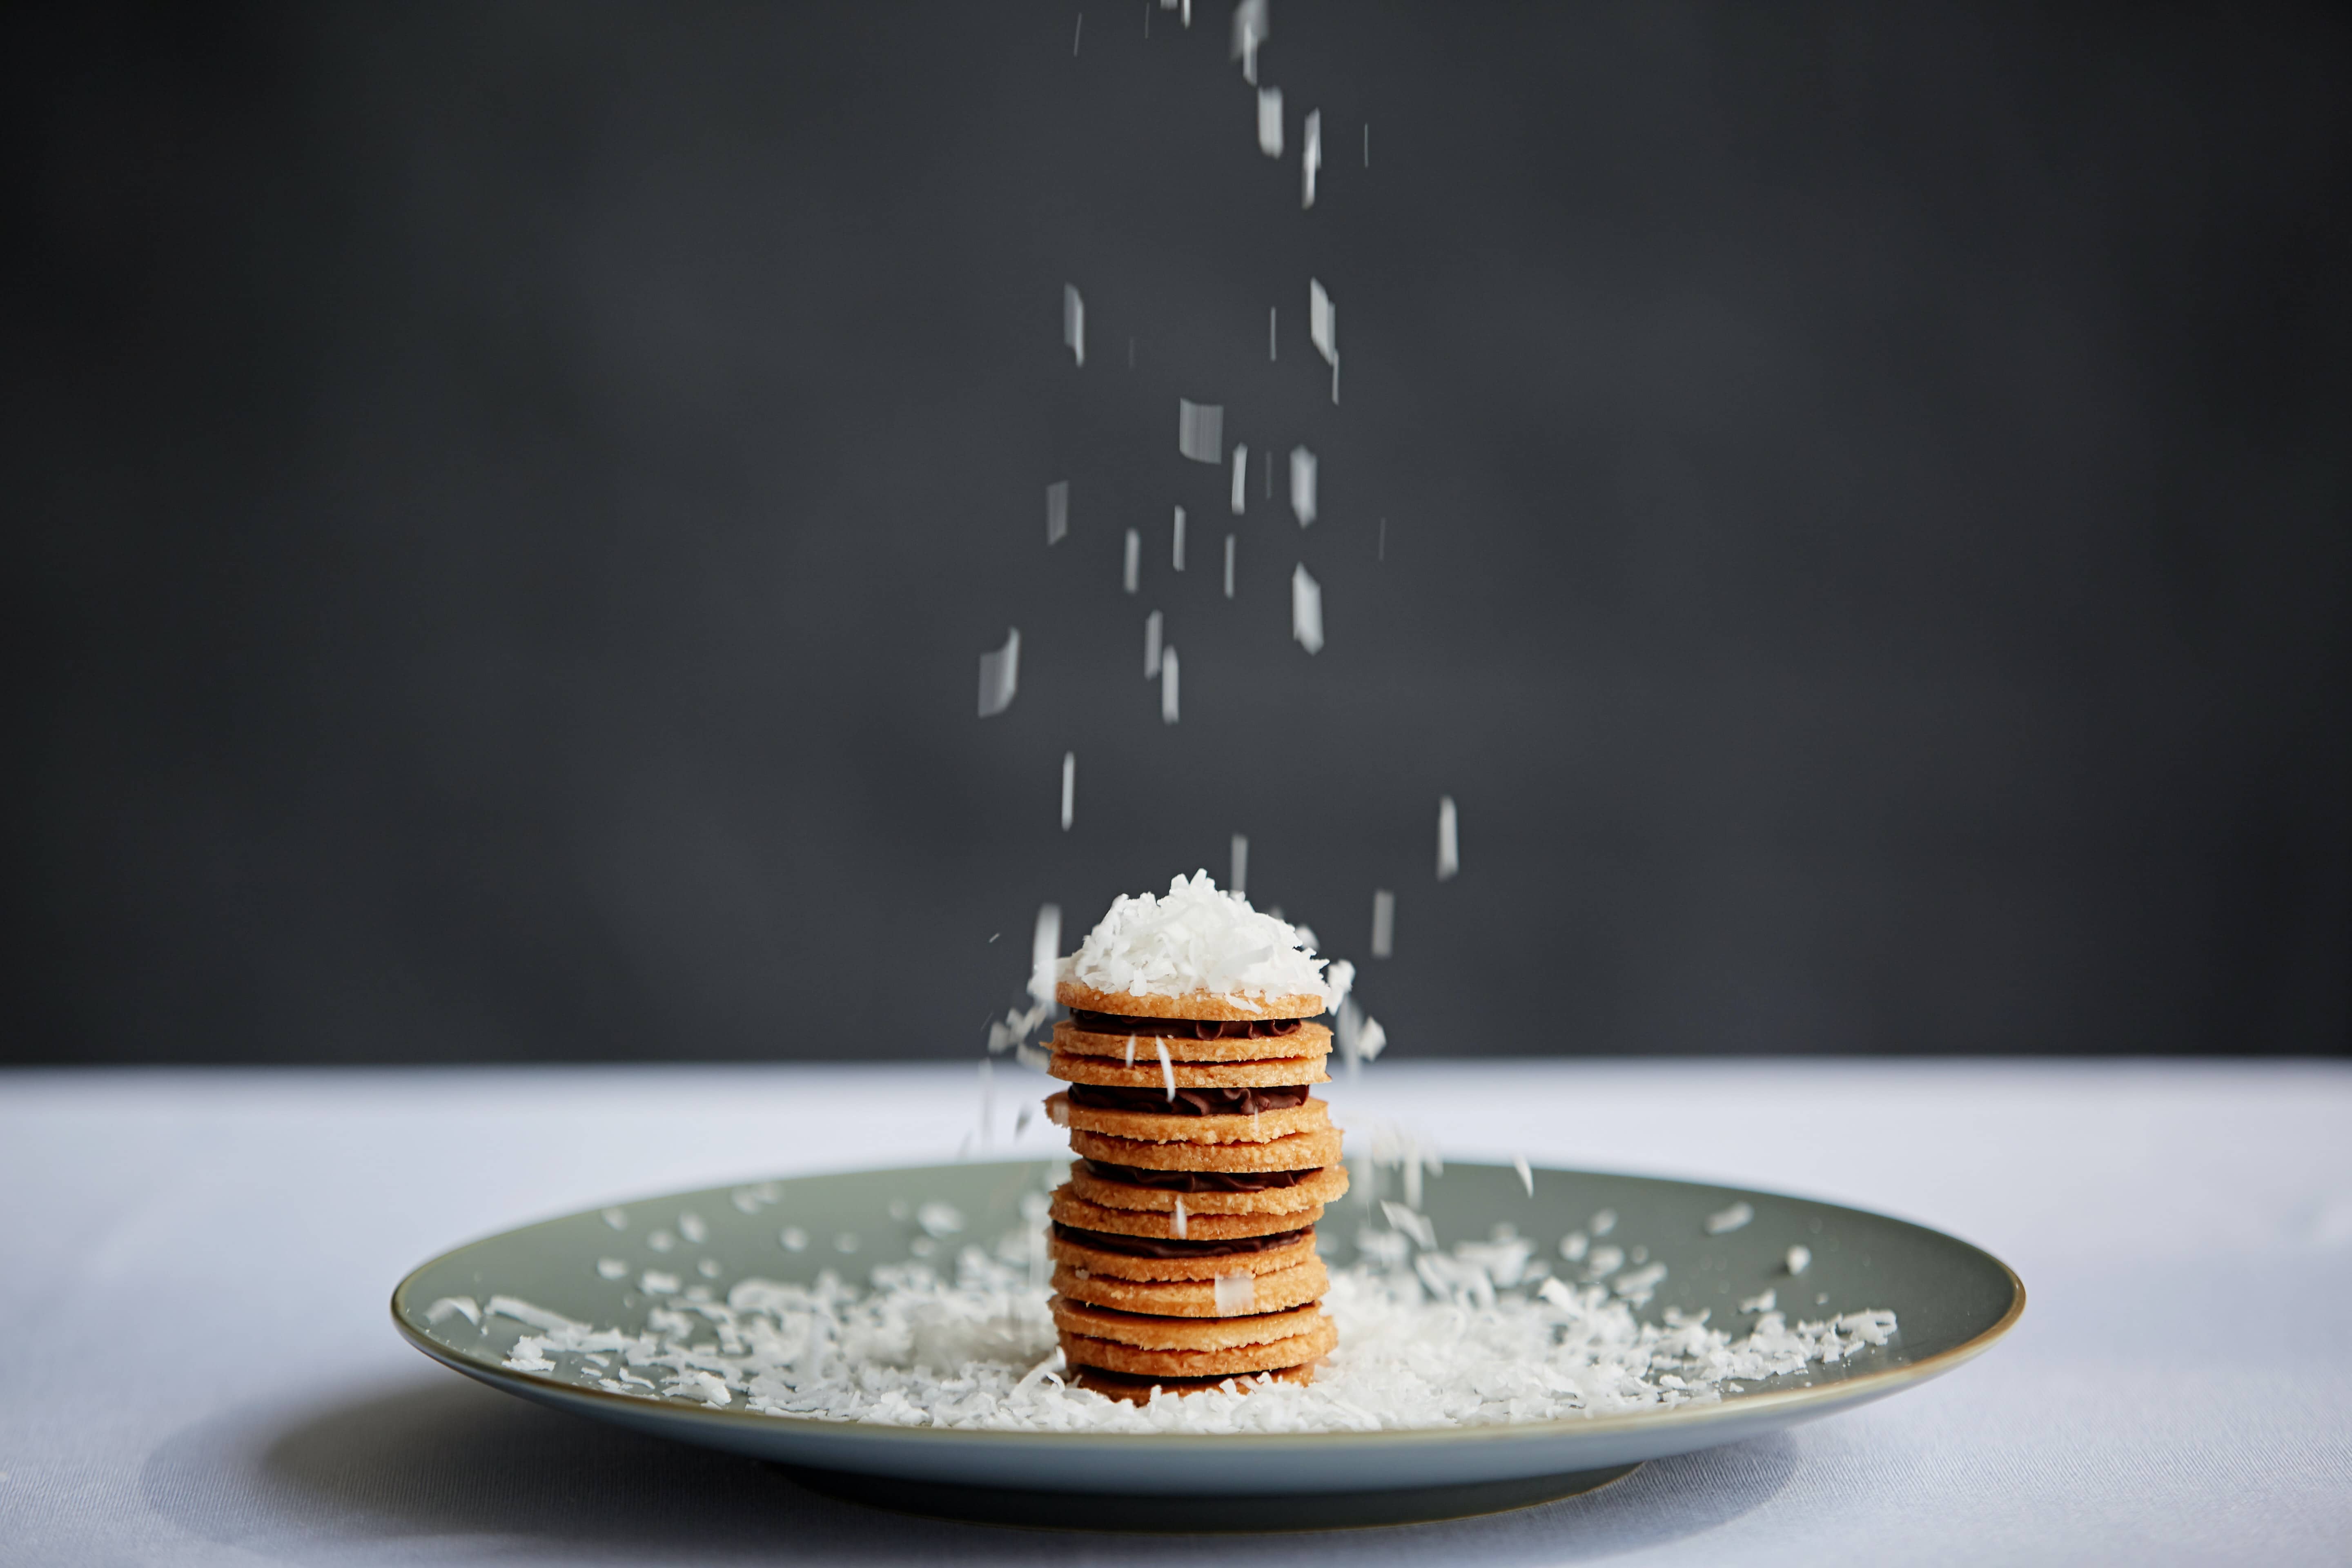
[[1459, 1339], [1726, 1220], [1196, 938]]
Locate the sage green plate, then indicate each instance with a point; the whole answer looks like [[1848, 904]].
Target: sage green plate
[[1951, 1301]]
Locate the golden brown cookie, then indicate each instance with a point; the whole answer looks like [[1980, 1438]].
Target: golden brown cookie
[[1299, 1151], [1069, 1208], [1301, 1350], [1082, 1255], [1191, 1004], [1326, 1185], [1306, 1040], [1243, 1293], [1147, 1073], [1140, 1331], [1255, 1128], [1139, 1390]]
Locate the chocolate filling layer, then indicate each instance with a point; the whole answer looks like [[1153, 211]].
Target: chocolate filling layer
[[1197, 1181], [1163, 1247], [1190, 1101], [1183, 1028]]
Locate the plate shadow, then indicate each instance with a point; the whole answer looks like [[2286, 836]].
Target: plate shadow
[[449, 1468]]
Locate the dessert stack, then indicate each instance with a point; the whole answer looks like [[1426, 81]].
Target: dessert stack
[[1183, 1243]]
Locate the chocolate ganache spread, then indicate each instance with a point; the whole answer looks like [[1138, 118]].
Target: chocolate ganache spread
[[1183, 1028], [1161, 1247], [1190, 1101], [1197, 1181]]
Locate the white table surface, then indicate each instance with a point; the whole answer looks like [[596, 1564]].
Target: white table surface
[[200, 1368]]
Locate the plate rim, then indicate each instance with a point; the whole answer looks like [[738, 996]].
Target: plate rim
[[1869, 1386]]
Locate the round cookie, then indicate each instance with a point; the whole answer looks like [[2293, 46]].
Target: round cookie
[[1299, 1151], [1255, 1128], [1191, 1005], [1302, 1349], [1090, 1259], [1284, 1289], [1112, 1072], [1069, 1208], [1139, 1331], [1306, 1040], [1133, 1390], [1326, 1185]]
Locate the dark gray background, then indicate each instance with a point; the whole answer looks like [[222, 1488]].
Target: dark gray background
[[507, 504]]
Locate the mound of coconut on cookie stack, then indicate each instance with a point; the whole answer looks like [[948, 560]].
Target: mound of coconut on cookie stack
[[1183, 1243]]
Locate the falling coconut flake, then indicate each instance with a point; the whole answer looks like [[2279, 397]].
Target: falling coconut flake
[[1168, 686], [1131, 576], [1306, 610], [1200, 430], [1000, 676], [1250, 29], [1526, 1173], [1167, 1067], [1241, 477], [1800, 1259], [1322, 322], [1370, 1038], [1235, 1294], [1271, 343], [1383, 922], [1238, 879], [1073, 323], [1151, 645], [1269, 122], [1178, 553], [1310, 158], [1070, 788], [1057, 513], [1302, 485], [1044, 952], [1229, 566], [1449, 850]]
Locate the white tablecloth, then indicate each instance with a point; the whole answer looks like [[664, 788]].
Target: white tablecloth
[[199, 1370]]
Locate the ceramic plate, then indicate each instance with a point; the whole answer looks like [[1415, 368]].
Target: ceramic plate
[[1951, 1301]]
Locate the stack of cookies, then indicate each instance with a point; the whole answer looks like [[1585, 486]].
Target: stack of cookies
[[1183, 1243]]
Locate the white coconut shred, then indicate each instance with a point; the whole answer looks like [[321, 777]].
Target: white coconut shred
[[1199, 938], [1464, 1339]]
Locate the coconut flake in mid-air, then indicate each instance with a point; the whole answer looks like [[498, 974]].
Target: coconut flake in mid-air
[[1306, 610], [1200, 430], [1000, 675], [1168, 688], [1310, 158]]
